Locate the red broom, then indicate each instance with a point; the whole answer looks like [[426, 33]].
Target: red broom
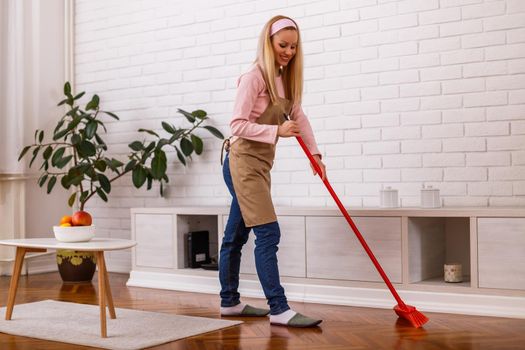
[[408, 312]]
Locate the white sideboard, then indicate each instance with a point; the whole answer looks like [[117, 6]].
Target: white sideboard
[[321, 260]]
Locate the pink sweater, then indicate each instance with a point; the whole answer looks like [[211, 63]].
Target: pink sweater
[[251, 101]]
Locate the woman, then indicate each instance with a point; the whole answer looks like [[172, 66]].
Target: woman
[[270, 91]]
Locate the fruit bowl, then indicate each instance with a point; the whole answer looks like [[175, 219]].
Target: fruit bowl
[[74, 233]]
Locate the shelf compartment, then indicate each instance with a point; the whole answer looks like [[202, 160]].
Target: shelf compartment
[[435, 241], [191, 223]]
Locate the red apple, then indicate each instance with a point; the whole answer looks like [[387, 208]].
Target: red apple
[[81, 218]]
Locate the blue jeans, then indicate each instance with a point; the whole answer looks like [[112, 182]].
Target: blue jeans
[[267, 238]]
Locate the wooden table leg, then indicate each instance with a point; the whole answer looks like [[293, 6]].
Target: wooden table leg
[[111, 308], [102, 293], [17, 267]]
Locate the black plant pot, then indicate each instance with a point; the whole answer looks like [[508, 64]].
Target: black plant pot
[[75, 266]]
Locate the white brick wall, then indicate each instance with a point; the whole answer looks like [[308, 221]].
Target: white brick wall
[[434, 88]]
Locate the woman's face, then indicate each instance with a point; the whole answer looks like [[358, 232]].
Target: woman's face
[[284, 44]]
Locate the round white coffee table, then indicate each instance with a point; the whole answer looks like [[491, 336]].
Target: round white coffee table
[[97, 245]]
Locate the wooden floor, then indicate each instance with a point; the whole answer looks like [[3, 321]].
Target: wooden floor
[[343, 327]]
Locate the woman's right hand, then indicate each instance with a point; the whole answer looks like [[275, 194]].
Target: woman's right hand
[[288, 129]]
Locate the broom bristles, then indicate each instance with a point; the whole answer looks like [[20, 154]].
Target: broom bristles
[[409, 313]]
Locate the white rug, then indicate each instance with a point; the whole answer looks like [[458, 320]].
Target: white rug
[[80, 324]]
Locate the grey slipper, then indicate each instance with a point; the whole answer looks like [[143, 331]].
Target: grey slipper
[[250, 311], [300, 321]]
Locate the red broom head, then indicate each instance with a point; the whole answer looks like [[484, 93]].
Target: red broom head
[[409, 313]]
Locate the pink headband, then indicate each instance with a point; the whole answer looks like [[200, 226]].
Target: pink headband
[[280, 24]]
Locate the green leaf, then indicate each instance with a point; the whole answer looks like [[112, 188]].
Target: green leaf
[[151, 132], [23, 153], [177, 135], [169, 128], [42, 180], [83, 196], [62, 102], [79, 95], [139, 176], [199, 113], [91, 173], [35, 153], [100, 165], [58, 155], [214, 131], [101, 142], [59, 125], [73, 124], [136, 146], [131, 164], [162, 143], [93, 104], [111, 115], [186, 146], [102, 125], [77, 180], [102, 195], [41, 136], [159, 165], [75, 139], [63, 162], [86, 149], [71, 199], [51, 184], [180, 156], [104, 183], [197, 144], [45, 165], [72, 112], [36, 134], [161, 189], [65, 181], [91, 129], [116, 163], [60, 134], [188, 115], [150, 147], [47, 152], [150, 182], [67, 89]]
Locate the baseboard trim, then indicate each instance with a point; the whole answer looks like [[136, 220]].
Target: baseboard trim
[[467, 304]]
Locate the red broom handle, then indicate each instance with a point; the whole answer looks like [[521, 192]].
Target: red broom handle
[[351, 222]]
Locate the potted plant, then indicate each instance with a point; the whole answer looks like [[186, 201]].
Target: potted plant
[[76, 158]]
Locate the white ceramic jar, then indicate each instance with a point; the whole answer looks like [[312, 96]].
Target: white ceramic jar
[[430, 197], [388, 198]]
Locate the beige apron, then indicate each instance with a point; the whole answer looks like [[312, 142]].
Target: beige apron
[[250, 165]]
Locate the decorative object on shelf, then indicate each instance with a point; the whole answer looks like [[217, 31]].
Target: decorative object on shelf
[[430, 197], [76, 155], [198, 252], [453, 273], [388, 197]]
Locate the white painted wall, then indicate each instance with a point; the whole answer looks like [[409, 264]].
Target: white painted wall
[[400, 93]]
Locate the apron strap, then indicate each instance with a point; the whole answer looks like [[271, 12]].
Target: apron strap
[[225, 145]]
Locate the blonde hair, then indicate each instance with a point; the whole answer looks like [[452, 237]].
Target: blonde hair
[[292, 74]]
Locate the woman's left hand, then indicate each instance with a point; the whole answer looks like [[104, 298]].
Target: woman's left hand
[[321, 165]]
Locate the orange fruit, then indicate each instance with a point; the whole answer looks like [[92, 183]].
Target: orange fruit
[[66, 219], [65, 224]]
